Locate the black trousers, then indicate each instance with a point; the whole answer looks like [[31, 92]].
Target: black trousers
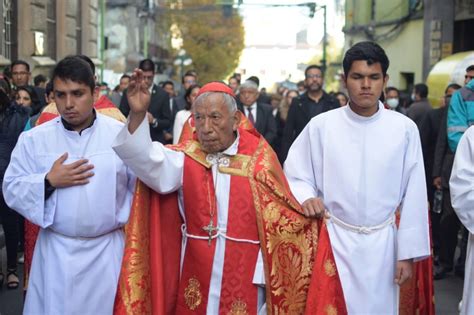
[[12, 232], [449, 229]]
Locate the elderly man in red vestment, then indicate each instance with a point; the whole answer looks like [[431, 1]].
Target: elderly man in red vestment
[[223, 235]]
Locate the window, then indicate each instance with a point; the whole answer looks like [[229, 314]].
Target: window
[[6, 38]]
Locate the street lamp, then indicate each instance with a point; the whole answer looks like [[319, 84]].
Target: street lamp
[[182, 60]]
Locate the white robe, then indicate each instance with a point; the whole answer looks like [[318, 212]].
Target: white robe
[[364, 168], [78, 254], [162, 170], [461, 186]]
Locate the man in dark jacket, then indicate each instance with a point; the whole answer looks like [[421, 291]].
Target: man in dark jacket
[[445, 224], [259, 114], [304, 107], [159, 113]]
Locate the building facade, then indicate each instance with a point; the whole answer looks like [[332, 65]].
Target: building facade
[[42, 32], [416, 34]]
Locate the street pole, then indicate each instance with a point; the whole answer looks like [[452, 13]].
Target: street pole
[[145, 39], [325, 40]]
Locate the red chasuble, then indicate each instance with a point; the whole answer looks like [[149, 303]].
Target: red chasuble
[[103, 106], [296, 251]]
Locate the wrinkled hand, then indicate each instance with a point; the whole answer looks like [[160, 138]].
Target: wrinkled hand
[[404, 271], [66, 175], [138, 95], [314, 208], [437, 182]]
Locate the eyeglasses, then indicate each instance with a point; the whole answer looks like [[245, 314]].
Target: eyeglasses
[[21, 73], [448, 96], [190, 81], [313, 76], [470, 77]]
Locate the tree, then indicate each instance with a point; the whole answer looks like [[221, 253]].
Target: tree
[[212, 35]]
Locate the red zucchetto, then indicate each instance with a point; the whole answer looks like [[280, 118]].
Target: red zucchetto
[[216, 87]]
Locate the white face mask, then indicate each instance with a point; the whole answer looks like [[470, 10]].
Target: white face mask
[[392, 102], [413, 98]]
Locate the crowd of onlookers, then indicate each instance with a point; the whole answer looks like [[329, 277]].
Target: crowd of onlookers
[[278, 116]]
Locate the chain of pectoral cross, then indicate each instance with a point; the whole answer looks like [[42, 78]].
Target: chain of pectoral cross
[[211, 228]]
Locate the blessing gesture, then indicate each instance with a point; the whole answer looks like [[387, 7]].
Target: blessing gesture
[[138, 97]]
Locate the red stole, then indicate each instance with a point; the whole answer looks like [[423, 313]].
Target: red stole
[[238, 293]]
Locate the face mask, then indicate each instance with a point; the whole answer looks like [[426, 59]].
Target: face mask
[[392, 102], [103, 92], [413, 97]]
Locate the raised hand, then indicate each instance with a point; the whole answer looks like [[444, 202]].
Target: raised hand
[[138, 95], [66, 175]]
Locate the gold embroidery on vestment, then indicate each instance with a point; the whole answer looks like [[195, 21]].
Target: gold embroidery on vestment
[[331, 310], [192, 294], [329, 268], [238, 307]]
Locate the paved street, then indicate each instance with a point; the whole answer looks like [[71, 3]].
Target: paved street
[[447, 295]]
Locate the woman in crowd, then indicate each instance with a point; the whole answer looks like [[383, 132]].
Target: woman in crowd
[[12, 121], [26, 96], [183, 115]]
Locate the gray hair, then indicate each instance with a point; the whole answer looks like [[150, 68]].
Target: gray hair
[[228, 100], [249, 85]]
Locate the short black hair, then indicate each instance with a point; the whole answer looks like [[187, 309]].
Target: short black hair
[[165, 83], [254, 79], [312, 67], [470, 68], [76, 69], [147, 65], [125, 76], [89, 61], [452, 86], [188, 92], [392, 88], [21, 62], [368, 51], [37, 80], [421, 89], [188, 74]]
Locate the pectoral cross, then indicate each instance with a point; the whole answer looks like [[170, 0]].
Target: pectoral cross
[[210, 229]]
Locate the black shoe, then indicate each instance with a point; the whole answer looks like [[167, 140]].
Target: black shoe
[[441, 273]]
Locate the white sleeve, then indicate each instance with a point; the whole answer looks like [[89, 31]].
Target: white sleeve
[[299, 167], [157, 166], [177, 127], [24, 188], [461, 183], [413, 239]]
